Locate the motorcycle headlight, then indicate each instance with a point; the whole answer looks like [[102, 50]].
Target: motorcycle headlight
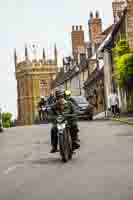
[[61, 126]]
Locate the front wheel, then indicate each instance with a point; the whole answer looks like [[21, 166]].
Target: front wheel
[[65, 146]]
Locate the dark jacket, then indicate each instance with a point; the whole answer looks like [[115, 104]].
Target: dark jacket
[[51, 100], [68, 109]]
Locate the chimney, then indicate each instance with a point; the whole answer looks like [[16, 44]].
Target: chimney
[[77, 37], [95, 26]]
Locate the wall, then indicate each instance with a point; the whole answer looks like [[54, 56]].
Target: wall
[[130, 23]]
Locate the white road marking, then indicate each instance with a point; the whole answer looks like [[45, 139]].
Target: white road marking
[[11, 169]]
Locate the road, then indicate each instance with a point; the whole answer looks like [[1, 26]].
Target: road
[[101, 170]]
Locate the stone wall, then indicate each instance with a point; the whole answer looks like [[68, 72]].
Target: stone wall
[[130, 22]]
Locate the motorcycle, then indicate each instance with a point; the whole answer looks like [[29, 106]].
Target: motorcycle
[[43, 113], [64, 138]]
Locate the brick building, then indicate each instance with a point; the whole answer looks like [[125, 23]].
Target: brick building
[[94, 85]]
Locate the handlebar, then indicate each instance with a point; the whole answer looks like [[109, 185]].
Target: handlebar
[[63, 115]]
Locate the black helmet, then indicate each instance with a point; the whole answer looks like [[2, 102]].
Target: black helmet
[[59, 93]]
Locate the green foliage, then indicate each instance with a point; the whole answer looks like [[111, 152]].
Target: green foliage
[[6, 124], [6, 120], [123, 63], [121, 48], [6, 116]]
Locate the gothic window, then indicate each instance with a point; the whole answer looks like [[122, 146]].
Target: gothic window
[[43, 87]]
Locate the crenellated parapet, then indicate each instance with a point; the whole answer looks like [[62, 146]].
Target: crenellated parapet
[[33, 66]]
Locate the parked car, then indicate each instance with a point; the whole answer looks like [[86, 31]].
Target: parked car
[[83, 108]]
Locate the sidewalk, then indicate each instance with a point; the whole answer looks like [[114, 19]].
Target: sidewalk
[[127, 120], [100, 116], [124, 118]]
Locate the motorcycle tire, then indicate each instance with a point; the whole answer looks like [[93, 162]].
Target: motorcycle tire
[[70, 144], [64, 147]]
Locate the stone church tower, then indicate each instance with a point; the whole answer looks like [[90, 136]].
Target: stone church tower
[[33, 80]]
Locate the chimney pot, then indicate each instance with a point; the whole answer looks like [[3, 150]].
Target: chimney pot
[[80, 28], [76, 28], [91, 15], [97, 14]]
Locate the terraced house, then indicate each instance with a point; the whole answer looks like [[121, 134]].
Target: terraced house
[[122, 29]]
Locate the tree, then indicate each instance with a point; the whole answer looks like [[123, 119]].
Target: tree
[[123, 63]]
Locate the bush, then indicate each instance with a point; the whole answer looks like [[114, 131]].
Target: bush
[[6, 120], [6, 124], [6, 117]]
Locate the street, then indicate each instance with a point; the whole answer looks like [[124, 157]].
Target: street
[[101, 170]]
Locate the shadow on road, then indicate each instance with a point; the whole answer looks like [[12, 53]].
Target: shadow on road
[[46, 161], [50, 161]]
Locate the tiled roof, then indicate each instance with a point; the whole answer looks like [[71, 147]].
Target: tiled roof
[[94, 76], [64, 76], [115, 29]]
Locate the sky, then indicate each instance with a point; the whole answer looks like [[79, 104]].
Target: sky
[[44, 23]]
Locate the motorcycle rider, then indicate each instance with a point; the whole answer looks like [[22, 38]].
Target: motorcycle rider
[[59, 107], [41, 104], [67, 95], [51, 99]]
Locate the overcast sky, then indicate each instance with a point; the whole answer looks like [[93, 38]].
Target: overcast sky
[[43, 22]]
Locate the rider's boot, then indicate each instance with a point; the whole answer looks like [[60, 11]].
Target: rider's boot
[[54, 150], [75, 141], [54, 140]]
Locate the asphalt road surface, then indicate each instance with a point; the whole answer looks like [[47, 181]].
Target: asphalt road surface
[[101, 170]]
